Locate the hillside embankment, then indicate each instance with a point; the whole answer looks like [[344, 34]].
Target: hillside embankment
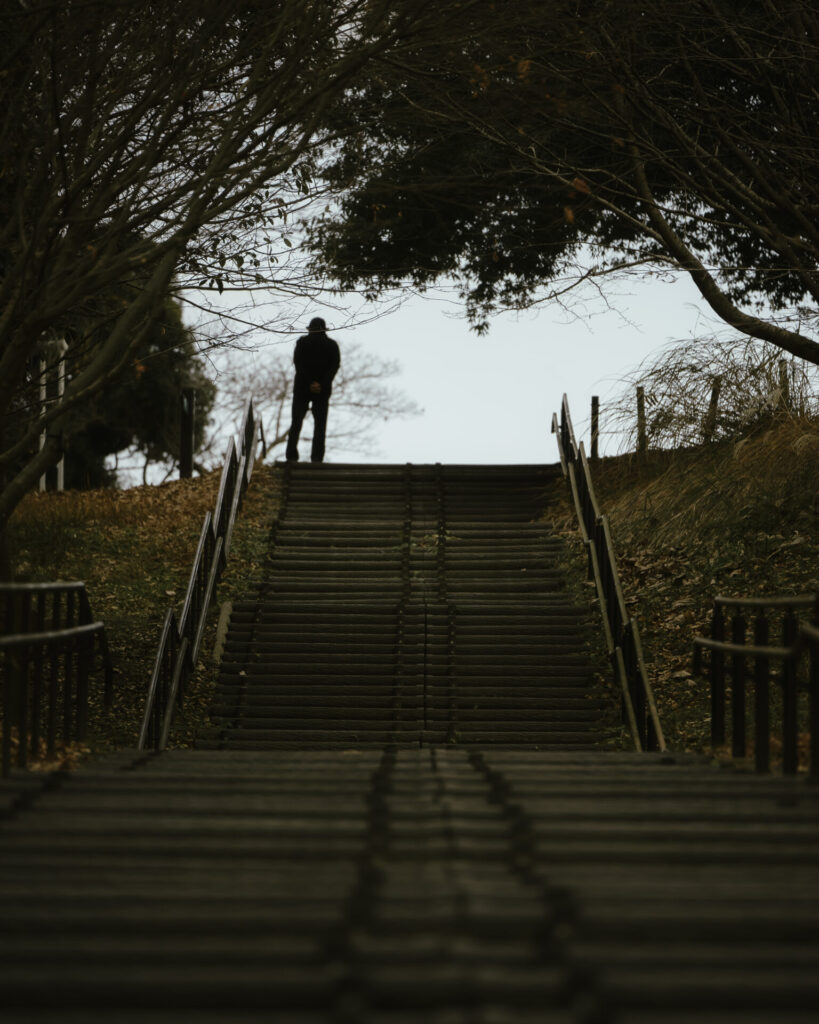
[[134, 550], [736, 518]]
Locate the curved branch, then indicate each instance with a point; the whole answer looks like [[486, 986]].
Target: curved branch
[[791, 341]]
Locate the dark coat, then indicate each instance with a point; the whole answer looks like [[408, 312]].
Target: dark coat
[[316, 358]]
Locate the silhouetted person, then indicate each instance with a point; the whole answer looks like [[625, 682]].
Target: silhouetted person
[[317, 360]]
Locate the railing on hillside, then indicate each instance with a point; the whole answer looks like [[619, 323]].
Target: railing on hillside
[[795, 702], [181, 637], [49, 645], [638, 707]]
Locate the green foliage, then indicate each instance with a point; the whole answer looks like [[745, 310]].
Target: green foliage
[[143, 143], [140, 409], [640, 131]]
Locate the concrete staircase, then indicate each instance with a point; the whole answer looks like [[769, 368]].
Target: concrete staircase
[[409, 605], [409, 885], [412, 816]]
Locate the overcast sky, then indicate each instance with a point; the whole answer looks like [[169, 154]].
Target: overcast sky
[[490, 399]]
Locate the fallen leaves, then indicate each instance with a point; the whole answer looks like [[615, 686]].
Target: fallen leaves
[[134, 549]]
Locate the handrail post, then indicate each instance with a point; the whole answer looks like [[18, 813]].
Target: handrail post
[[622, 636], [710, 421], [642, 438], [795, 639], [738, 662], [83, 662], [22, 709], [790, 632], [813, 704], [180, 642], [717, 680], [5, 707], [68, 699], [637, 695], [762, 726]]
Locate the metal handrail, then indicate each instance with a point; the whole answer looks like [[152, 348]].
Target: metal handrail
[[46, 669], [51, 637], [622, 634], [775, 601], [797, 639], [754, 650], [55, 588], [181, 639], [49, 586]]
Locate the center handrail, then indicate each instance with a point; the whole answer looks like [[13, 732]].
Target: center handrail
[[622, 634], [181, 638]]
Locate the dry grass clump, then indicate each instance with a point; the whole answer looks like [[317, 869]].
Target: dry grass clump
[[706, 389], [738, 495], [51, 533]]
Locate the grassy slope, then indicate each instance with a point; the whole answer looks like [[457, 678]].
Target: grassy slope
[[134, 550], [735, 519]]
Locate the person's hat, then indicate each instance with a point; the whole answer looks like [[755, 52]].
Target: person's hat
[[316, 325]]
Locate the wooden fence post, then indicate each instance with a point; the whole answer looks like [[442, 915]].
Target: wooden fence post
[[784, 385], [642, 438], [595, 426], [711, 416]]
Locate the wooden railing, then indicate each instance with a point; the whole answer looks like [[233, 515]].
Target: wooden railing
[[791, 665], [181, 637], [622, 635], [48, 647]]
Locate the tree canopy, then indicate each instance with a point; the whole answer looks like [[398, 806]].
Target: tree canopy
[[671, 133], [139, 412], [142, 142]]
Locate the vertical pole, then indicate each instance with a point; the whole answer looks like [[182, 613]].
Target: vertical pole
[[642, 437], [718, 681], [813, 708], [21, 685], [790, 631], [784, 385], [84, 647], [762, 726], [68, 669], [711, 416], [37, 680], [5, 708], [60, 393], [43, 403], [738, 688], [595, 426], [8, 676], [187, 404], [53, 678]]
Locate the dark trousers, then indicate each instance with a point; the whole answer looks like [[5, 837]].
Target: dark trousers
[[301, 403]]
